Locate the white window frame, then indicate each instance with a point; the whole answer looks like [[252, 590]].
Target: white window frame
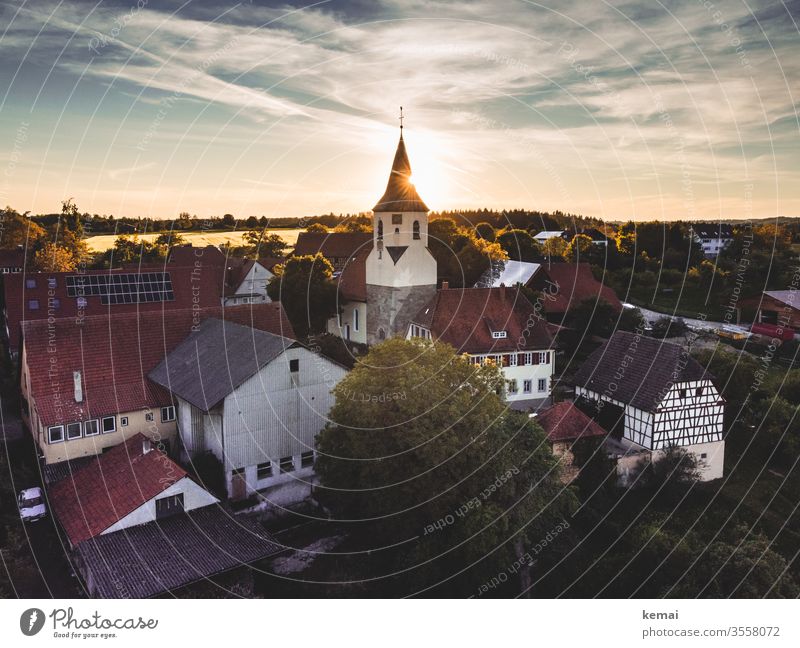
[[123, 421], [513, 386], [527, 386], [149, 417], [166, 410], [529, 357], [283, 460], [355, 319], [113, 429], [512, 360], [539, 385], [86, 426], [50, 434], [499, 335], [80, 431]]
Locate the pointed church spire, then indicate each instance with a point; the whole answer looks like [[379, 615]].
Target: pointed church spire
[[400, 194]]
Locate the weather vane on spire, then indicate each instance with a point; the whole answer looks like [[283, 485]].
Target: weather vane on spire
[[401, 118]]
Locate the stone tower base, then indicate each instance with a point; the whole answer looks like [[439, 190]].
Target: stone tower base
[[390, 310]]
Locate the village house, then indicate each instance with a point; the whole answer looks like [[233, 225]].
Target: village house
[[254, 399], [565, 285], [545, 235], [598, 238], [712, 237], [244, 281], [139, 525], [84, 383], [498, 326], [566, 427], [337, 247], [777, 308], [152, 288], [661, 397]]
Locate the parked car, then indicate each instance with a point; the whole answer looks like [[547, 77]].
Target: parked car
[[31, 504]]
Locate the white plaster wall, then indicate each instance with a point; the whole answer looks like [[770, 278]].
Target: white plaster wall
[[416, 267], [532, 372], [711, 466], [254, 283], [194, 496], [348, 317]]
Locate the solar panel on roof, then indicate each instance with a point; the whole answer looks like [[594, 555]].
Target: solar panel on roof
[[123, 288]]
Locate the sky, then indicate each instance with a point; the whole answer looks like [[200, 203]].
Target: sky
[[651, 110]]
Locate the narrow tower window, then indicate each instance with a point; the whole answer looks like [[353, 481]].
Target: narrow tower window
[[416, 230], [380, 229]]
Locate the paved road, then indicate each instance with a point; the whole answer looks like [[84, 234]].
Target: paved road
[[703, 325]]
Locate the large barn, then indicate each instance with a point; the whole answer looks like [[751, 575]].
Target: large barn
[[255, 400]]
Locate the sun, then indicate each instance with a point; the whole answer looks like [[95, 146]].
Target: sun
[[428, 170]]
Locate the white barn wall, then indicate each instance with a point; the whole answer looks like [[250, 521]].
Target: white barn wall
[[270, 417]]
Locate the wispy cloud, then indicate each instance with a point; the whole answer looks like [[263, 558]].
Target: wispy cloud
[[625, 110]]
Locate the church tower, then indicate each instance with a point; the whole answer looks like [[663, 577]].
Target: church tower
[[400, 270]]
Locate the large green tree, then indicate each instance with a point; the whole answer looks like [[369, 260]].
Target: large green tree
[[461, 256], [423, 450], [305, 287], [519, 245], [18, 229]]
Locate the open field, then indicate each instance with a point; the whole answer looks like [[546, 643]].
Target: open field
[[103, 242]]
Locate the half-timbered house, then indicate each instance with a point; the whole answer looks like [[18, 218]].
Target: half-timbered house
[[663, 396]]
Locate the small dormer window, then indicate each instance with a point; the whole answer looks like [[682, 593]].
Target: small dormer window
[[499, 335]]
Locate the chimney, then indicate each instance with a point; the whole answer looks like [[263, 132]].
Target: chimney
[[445, 285], [77, 386], [503, 291], [147, 446]]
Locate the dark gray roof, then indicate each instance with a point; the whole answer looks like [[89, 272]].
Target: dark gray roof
[[161, 556], [713, 230], [53, 473], [215, 360], [638, 370]]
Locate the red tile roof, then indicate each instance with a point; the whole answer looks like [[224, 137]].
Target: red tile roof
[[12, 258], [565, 422], [110, 487], [332, 244], [114, 355], [186, 255], [571, 283], [466, 317], [193, 286], [353, 278], [236, 268]]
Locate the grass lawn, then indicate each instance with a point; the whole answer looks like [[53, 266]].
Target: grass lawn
[[691, 302]]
